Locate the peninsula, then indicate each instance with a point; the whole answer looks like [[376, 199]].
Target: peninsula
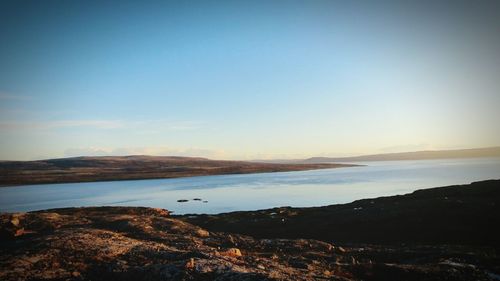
[[109, 168]]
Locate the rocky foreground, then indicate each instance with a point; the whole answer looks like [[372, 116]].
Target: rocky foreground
[[131, 243]]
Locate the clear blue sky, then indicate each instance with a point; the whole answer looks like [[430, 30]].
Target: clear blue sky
[[247, 79]]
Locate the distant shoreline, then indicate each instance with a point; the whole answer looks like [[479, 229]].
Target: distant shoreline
[[485, 152], [189, 176], [102, 169]]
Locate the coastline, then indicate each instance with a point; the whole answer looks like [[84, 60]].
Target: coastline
[[457, 214], [166, 176], [95, 169], [137, 243]]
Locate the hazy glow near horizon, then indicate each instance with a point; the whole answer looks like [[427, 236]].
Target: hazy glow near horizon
[[247, 79]]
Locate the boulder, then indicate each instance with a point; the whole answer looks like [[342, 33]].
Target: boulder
[[232, 252], [202, 233], [190, 264]]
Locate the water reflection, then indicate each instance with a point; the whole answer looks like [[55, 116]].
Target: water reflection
[[256, 191]]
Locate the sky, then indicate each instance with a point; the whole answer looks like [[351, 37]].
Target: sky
[[247, 79]]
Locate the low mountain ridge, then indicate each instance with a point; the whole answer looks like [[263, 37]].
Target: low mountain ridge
[[414, 155]]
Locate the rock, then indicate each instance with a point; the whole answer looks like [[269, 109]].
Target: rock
[[33, 259], [14, 221], [190, 264], [231, 240], [19, 232], [126, 243], [232, 252], [202, 233], [161, 212], [354, 261], [297, 263]]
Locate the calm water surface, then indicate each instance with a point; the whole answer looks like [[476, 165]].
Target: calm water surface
[[256, 191]]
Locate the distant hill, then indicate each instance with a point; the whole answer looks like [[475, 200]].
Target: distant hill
[[416, 155], [83, 169]]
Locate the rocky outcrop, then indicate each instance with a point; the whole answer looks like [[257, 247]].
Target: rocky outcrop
[[146, 244], [121, 243]]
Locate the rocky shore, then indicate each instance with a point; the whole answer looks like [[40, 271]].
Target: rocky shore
[[459, 215], [133, 243]]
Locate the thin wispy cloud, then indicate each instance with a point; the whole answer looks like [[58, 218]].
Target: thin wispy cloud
[[170, 125], [5, 96], [47, 125], [149, 126], [154, 151]]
